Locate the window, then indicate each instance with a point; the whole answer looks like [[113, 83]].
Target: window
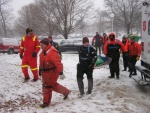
[[149, 27]]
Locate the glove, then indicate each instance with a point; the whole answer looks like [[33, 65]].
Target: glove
[[40, 73], [138, 58], [61, 75], [21, 56], [34, 54], [91, 67]]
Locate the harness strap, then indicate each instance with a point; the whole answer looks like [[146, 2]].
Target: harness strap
[[85, 58], [47, 86], [48, 69]]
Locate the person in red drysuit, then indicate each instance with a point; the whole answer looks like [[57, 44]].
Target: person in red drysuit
[[50, 69], [134, 55], [29, 48]]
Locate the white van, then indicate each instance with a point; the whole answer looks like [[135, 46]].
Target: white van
[[144, 68]]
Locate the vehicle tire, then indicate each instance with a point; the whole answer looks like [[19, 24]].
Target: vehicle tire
[[10, 51]]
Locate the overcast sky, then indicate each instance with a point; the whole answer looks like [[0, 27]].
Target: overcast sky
[[17, 4]]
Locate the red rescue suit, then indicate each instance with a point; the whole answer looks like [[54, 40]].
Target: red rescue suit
[[50, 67], [134, 49], [29, 45]]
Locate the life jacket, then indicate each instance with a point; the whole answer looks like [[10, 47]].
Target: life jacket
[[113, 49], [47, 66], [87, 57]]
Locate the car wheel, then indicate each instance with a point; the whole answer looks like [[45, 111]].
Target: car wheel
[[10, 51]]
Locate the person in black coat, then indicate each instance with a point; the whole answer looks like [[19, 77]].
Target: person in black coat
[[87, 59], [55, 44]]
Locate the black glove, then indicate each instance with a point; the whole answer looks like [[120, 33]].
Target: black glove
[[21, 56], [40, 73], [34, 54], [60, 73], [91, 67]]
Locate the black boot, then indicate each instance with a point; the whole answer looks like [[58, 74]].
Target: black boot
[[66, 96], [26, 79], [112, 75], [90, 86], [80, 85], [135, 73], [117, 76], [44, 105]]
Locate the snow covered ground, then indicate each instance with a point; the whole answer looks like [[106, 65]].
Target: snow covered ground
[[108, 96]]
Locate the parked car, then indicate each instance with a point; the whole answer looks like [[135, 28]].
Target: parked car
[[9, 45], [70, 45]]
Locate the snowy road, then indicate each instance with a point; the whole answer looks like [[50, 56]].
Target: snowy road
[[109, 95]]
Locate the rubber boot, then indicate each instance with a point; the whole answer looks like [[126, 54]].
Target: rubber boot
[[117, 76], [80, 85], [90, 86], [112, 75]]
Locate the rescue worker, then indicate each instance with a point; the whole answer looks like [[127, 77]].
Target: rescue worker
[[87, 59], [125, 42], [104, 40], [29, 49], [97, 42], [50, 69], [111, 49], [134, 55], [54, 44]]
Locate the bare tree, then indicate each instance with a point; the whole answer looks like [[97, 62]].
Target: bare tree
[[69, 14], [48, 17], [31, 16], [102, 20], [5, 16], [127, 12]]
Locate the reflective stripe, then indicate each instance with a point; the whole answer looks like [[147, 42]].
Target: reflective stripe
[[34, 38], [21, 47], [38, 46], [24, 66], [23, 38], [33, 69]]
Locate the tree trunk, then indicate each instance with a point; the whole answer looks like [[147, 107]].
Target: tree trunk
[[3, 23], [128, 30]]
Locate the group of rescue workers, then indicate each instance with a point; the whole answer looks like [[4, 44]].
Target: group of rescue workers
[[51, 68]]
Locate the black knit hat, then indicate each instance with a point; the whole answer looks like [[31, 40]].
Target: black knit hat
[[85, 39], [45, 41], [28, 30]]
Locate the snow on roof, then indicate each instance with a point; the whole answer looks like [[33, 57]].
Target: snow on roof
[[10, 41]]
